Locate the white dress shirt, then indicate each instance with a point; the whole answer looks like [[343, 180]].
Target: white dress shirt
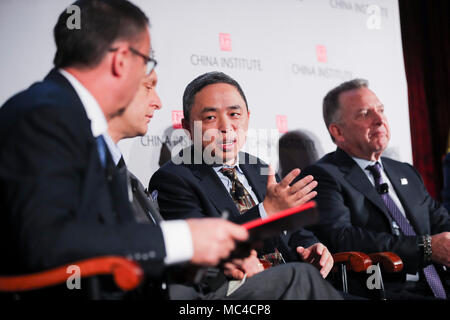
[[176, 233]]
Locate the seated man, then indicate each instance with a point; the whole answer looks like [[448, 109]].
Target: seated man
[[133, 122], [61, 199], [234, 183], [446, 186], [372, 203]]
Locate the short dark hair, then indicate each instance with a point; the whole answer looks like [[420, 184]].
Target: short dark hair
[[205, 80], [102, 23], [331, 100]]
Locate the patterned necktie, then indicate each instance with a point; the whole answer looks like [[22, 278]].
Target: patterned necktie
[[430, 272], [240, 195], [244, 201]]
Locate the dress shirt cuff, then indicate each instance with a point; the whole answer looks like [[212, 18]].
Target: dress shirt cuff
[[262, 211], [178, 241]]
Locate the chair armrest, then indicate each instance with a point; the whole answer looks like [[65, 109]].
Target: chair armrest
[[354, 260], [389, 261], [127, 274]]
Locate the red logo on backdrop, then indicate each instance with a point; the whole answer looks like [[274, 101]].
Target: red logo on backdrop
[[282, 124], [321, 52], [225, 41], [177, 115]]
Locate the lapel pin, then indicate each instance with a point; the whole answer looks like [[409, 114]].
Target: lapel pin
[[404, 181]]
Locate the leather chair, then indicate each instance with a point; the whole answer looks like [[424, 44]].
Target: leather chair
[[128, 276], [125, 276], [358, 264]]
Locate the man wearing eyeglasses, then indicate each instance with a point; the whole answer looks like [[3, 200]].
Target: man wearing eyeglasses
[[149, 61], [62, 198]]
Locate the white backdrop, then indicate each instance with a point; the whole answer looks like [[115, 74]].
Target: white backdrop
[[286, 54]]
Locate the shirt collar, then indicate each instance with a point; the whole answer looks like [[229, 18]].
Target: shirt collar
[[94, 112], [236, 165], [363, 163]]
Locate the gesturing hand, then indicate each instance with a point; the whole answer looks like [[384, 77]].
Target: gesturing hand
[[281, 196]]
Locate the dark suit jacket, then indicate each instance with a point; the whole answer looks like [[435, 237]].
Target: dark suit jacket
[[57, 204], [446, 186], [353, 215], [144, 209], [195, 191]]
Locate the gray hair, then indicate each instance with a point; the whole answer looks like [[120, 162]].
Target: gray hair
[[331, 106]]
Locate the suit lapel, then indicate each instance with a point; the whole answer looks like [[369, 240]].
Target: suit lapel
[[256, 179], [395, 174], [357, 178], [145, 208], [94, 178], [208, 180], [118, 185]]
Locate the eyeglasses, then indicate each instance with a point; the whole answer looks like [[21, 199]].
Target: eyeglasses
[[149, 61]]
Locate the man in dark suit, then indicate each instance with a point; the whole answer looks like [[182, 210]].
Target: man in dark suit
[[131, 123], [446, 184], [197, 184], [62, 198], [372, 203]]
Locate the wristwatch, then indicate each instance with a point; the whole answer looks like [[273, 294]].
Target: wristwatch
[[424, 244]]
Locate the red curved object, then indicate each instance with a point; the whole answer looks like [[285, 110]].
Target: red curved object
[[127, 274], [354, 260], [389, 261]]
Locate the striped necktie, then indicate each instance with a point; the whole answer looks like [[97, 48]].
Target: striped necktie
[[430, 272]]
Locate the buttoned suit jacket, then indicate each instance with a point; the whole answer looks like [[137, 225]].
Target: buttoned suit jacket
[[354, 217], [57, 203]]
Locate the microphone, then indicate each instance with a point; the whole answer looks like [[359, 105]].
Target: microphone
[[383, 188]]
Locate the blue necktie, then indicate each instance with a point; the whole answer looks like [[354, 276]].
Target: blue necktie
[[430, 272], [101, 147]]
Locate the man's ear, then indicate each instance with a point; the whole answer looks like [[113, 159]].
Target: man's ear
[[119, 61], [336, 132]]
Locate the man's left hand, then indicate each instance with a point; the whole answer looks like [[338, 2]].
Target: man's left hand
[[319, 256]]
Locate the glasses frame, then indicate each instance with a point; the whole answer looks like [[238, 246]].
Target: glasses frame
[[147, 59]]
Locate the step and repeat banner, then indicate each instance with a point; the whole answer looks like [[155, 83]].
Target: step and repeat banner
[[286, 54]]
